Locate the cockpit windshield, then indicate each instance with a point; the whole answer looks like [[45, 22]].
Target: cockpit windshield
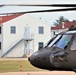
[[61, 41], [56, 38]]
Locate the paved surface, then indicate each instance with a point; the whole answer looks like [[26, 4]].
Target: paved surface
[[39, 73]]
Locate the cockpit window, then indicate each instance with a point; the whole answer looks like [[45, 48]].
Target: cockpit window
[[63, 41], [60, 41], [53, 42], [73, 46]]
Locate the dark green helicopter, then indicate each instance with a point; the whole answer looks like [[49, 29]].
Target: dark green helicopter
[[58, 54], [60, 51]]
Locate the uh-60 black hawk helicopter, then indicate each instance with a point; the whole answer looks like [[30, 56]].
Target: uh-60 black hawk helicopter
[[60, 51], [58, 54]]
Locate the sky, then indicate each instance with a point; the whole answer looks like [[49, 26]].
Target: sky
[[48, 17]]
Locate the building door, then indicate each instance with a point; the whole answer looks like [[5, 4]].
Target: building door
[[26, 43], [27, 47], [27, 32]]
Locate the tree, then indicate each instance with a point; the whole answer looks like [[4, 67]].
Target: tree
[[60, 20], [74, 20]]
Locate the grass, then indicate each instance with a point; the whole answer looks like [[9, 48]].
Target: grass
[[17, 66]]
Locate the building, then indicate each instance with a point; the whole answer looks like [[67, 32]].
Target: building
[[61, 27], [22, 34]]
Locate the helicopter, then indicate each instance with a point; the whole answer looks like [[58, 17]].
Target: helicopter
[[60, 52]]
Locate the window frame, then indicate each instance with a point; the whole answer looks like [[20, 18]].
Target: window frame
[[0, 45], [41, 30], [0, 29], [13, 29], [41, 45]]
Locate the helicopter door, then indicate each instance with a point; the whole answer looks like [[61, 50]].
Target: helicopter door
[[72, 54]]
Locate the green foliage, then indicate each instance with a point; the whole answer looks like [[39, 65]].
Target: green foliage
[[60, 20]]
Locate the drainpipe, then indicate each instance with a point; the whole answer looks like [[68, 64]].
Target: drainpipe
[[63, 25]]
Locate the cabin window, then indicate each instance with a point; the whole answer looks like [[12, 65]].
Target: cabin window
[[41, 30], [40, 44], [0, 45], [73, 46], [13, 29]]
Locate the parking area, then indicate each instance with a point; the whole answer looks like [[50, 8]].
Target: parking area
[[40, 73]]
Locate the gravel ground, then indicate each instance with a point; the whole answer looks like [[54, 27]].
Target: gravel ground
[[40, 73]]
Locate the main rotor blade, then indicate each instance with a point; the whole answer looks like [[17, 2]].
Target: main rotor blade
[[1, 5], [46, 5], [39, 11]]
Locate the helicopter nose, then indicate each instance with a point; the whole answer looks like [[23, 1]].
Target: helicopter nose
[[33, 60], [40, 60]]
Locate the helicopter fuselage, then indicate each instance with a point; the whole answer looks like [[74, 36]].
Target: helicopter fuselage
[[59, 54]]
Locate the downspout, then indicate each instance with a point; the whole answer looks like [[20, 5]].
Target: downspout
[[63, 25]]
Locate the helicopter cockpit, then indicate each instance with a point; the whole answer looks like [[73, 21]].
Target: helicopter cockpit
[[61, 41]]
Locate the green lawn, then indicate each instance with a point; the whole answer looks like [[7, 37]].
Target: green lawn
[[16, 66]]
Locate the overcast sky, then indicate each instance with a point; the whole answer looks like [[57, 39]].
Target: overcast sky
[[37, 1], [49, 17]]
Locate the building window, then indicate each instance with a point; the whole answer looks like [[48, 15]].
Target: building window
[[0, 45], [40, 44], [41, 30], [53, 33], [0, 30], [13, 29]]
